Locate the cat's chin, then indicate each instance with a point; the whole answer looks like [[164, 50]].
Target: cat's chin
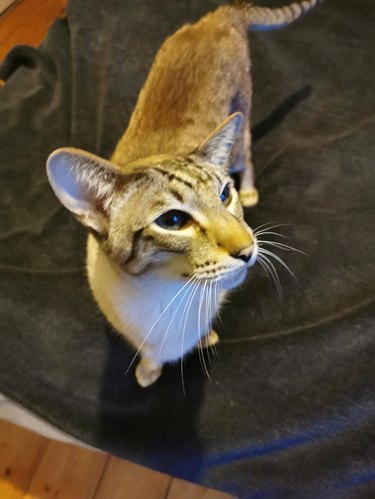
[[234, 279]]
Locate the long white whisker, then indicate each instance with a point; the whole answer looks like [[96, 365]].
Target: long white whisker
[[281, 246], [155, 323], [189, 289], [214, 298], [263, 225], [275, 277], [212, 303], [198, 283], [271, 267], [199, 343], [186, 313], [218, 287], [200, 352], [207, 316], [267, 252], [205, 350], [273, 273], [266, 271], [260, 226], [188, 302], [270, 233], [199, 322], [257, 231], [182, 366]]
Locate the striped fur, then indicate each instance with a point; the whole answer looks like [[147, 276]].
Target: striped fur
[[263, 18]]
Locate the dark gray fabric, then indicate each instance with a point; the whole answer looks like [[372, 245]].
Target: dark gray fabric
[[289, 411]]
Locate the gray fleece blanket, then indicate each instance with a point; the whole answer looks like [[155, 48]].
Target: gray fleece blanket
[[289, 411]]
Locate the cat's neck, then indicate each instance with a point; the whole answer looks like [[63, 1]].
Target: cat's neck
[[167, 312]]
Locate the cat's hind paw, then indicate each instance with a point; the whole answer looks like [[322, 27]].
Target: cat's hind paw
[[249, 197], [147, 372]]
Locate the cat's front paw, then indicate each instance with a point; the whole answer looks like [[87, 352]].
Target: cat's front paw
[[147, 372], [249, 197], [210, 340]]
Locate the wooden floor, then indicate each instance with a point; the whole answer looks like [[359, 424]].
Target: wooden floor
[[31, 466], [27, 22], [34, 467]]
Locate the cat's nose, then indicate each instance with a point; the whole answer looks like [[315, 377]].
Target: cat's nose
[[246, 253]]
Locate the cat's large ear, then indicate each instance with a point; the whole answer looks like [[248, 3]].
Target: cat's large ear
[[84, 183], [217, 147]]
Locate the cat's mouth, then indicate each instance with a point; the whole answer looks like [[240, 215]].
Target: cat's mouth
[[226, 279], [232, 279], [225, 276]]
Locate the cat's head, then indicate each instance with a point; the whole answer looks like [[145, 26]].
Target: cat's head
[[181, 214]]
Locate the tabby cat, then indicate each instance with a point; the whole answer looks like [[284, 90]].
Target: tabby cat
[[167, 237]]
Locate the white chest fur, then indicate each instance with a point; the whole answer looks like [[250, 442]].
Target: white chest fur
[[162, 318]]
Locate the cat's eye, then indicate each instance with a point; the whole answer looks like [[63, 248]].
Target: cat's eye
[[173, 220], [226, 196]]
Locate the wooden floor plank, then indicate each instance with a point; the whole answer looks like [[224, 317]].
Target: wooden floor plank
[[12, 20], [181, 489], [20, 452], [125, 480], [35, 27], [67, 471]]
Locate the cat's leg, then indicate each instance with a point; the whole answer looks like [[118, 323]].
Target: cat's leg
[[210, 339], [242, 153], [248, 193], [147, 371]]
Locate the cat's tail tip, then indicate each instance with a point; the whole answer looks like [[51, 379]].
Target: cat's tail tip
[[262, 18]]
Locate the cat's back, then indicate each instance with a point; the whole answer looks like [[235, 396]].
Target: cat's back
[[192, 80], [211, 36]]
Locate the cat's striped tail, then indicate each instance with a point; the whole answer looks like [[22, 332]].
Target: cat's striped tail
[[262, 18]]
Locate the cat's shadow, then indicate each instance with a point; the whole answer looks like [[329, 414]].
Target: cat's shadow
[[280, 113], [152, 425], [264, 127]]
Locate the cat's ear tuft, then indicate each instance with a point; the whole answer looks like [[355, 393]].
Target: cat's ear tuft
[[84, 183], [217, 147]]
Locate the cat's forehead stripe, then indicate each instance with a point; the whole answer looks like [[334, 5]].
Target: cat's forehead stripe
[[173, 176], [197, 171], [184, 172], [176, 195]]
